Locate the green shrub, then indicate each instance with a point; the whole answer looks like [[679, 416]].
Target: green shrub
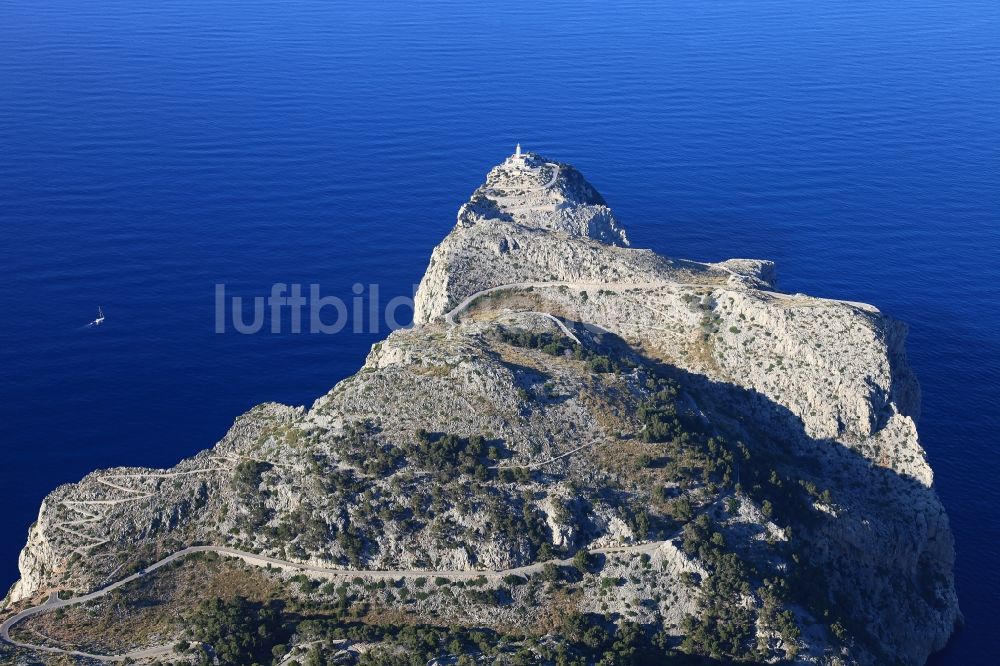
[[584, 561], [239, 631]]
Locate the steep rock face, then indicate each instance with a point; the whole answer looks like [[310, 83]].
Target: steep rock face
[[529, 396], [35, 558]]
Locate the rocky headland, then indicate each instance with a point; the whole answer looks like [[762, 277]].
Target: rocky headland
[[580, 448]]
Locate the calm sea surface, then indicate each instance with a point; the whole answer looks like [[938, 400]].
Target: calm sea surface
[[151, 149]]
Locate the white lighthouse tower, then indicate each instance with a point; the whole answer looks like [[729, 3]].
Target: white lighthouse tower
[[517, 159]]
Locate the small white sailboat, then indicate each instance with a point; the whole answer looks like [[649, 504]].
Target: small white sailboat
[[100, 317]]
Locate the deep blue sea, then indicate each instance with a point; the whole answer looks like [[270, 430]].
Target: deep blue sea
[[151, 149]]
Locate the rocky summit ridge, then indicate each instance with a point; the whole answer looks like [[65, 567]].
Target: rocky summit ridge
[[576, 429]]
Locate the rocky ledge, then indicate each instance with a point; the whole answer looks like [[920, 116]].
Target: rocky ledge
[[733, 470]]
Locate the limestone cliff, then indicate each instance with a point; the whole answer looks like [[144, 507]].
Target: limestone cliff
[[754, 454]]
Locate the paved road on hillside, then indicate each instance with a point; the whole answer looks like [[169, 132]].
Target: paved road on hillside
[[53, 602], [458, 309]]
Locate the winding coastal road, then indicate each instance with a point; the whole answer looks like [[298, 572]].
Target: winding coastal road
[[54, 602], [458, 309], [471, 298], [90, 517]]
